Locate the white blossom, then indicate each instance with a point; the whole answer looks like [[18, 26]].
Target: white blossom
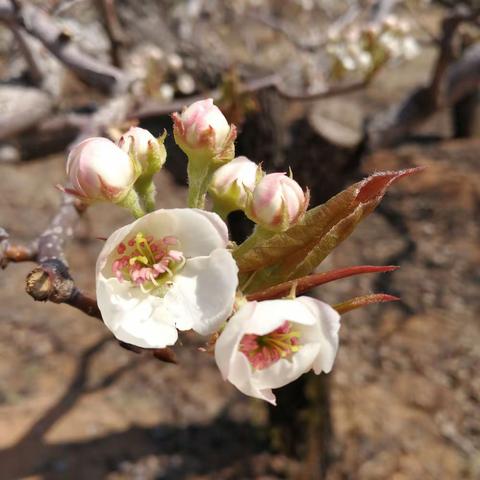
[[168, 270], [268, 344]]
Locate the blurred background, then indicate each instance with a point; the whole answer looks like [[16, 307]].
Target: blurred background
[[334, 89]]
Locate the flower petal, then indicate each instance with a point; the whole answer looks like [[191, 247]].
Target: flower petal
[[131, 315], [287, 370], [226, 347], [271, 314], [203, 292], [199, 233], [329, 321]]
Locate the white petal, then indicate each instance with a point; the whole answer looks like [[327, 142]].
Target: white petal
[[240, 375], [131, 315], [111, 244], [329, 322], [271, 314], [287, 370], [199, 232], [203, 293], [227, 344]]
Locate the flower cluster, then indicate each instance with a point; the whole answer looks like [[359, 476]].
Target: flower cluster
[[364, 48], [177, 270]]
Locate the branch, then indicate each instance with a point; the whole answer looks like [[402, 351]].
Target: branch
[[279, 26], [272, 81], [23, 40], [112, 28], [22, 108], [42, 26]]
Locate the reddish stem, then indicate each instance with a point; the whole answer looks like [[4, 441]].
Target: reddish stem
[[310, 281]]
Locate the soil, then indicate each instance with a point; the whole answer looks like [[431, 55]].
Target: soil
[[405, 387], [74, 405]]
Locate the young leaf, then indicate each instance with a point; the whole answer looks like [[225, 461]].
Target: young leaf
[[298, 251], [358, 302]]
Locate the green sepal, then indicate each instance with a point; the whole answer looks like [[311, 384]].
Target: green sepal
[[156, 158], [131, 202]]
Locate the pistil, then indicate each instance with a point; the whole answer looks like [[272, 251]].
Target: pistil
[[262, 351]]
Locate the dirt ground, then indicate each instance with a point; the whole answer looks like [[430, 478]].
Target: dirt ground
[[405, 387], [406, 391]]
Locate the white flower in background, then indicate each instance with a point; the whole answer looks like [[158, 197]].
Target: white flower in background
[[231, 182], [397, 38], [277, 202], [99, 170], [268, 344], [168, 270]]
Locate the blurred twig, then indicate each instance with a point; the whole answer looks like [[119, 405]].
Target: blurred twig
[[42, 26], [113, 29], [34, 67]]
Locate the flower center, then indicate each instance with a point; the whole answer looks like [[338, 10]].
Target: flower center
[[264, 350], [147, 262]]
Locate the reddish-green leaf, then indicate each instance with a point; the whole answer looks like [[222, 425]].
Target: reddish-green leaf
[[298, 251]]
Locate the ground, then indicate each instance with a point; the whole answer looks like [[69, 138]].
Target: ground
[[405, 387], [405, 395]]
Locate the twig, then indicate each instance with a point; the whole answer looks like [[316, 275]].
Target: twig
[[34, 68], [51, 279], [112, 28], [278, 26]]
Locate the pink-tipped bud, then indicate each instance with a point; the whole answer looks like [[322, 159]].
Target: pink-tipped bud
[[232, 182], [99, 170], [277, 202], [202, 126], [138, 139]]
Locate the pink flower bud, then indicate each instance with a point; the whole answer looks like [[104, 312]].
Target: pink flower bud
[[277, 202], [202, 125], [231, 182], [99, 170], [141, 139]]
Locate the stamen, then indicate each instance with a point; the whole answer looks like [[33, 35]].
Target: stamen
[[264, 350], [148, 263]]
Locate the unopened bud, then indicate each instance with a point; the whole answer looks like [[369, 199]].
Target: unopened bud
[[100, 170], [277, 202], [232, 183], [207, 139], [202, 126], [147, 150]]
